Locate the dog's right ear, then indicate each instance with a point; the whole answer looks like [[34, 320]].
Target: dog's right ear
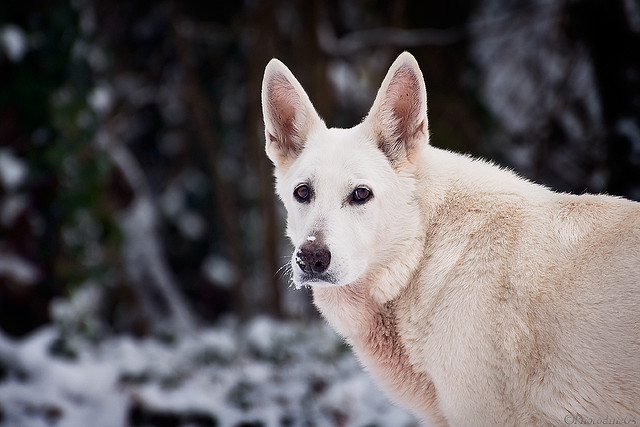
[[288, 113]]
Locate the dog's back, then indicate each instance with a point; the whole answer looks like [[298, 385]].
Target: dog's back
[[527, 306]]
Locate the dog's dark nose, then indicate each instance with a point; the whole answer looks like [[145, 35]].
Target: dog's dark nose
[[313, 258]]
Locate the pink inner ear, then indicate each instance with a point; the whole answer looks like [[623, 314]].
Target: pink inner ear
[[284, 102], [282, 98], [404, 96]]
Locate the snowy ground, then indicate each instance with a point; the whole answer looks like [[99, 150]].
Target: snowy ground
[[267, 373]]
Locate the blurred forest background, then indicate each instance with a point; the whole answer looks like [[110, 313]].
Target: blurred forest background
[[135, 196], [137, 207]]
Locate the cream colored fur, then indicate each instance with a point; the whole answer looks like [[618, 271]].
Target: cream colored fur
[[474, 297]]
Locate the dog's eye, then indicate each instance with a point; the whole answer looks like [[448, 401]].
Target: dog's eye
[[302, 193], [361, 195]]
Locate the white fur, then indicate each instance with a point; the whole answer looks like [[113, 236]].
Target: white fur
[[474, 297]]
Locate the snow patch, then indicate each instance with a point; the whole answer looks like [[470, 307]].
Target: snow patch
[[219, 271], [11, 208], [14, 42], [18, 270], [13, 171], [100, 99], [267, 372]]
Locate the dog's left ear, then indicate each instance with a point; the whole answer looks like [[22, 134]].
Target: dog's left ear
[[288, 113], [398, 116]]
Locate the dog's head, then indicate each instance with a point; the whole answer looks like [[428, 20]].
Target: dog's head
[[349, 193]]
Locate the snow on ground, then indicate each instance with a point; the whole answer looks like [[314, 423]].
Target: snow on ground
[[267, 373]]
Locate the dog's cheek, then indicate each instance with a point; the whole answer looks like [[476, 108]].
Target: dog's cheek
[[363, 242]]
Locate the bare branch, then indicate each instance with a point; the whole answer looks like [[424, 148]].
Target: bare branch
[[143, 256]]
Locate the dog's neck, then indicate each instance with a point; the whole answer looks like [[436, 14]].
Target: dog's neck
[[346, 308], [350, 308]]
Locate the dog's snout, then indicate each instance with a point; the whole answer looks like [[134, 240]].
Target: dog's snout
[[313, 257]]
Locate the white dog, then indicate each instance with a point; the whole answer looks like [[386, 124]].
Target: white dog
[[474, 297]]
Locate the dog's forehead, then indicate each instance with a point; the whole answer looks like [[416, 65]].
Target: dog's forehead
[[339, 154]]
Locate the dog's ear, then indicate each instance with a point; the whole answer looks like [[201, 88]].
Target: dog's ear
[[288, 113], [398, 117]]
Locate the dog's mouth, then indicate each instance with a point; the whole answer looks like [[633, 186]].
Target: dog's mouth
[[313, 279]]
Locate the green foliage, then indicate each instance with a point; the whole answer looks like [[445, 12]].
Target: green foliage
[[72, 235]]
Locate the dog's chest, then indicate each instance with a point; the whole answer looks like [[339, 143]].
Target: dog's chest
[[380, 346], [382, 351], [372, 330]]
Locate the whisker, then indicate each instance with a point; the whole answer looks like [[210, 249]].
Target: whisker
[[282, 271], [286, 270]]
